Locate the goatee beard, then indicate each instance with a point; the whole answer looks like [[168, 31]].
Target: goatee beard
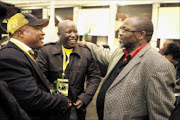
[[121, 45]]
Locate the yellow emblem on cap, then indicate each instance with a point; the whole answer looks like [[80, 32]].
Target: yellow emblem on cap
[[16, 22], [13, 23]]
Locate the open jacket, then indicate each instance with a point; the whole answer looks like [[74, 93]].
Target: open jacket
[[81, 67], [142, 90], [28, 84]]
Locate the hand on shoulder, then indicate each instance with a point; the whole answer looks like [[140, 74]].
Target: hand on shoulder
[[82, 43]]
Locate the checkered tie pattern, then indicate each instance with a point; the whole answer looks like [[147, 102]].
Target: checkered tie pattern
[[31, 52]]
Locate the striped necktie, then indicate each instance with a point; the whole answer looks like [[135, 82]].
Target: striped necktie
[[31, 52]]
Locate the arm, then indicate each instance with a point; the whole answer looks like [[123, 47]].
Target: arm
[[11, 104], [99, 53], [160, 95], [93, 81], [26, 86]]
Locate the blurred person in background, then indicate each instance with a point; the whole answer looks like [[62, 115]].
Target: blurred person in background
[[172, 53], [167, 41]]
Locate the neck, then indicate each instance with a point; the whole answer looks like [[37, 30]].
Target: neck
[[132, 48], [67, 48]]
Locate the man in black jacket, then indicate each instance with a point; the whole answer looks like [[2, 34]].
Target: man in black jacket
[[66, 60], [22, 74], [9, 107]]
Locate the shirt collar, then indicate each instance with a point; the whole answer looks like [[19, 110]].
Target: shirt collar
[[57, 51], [133, 53], [22, 44]]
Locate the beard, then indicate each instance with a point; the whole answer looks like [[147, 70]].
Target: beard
[[121, 45], [128, 46]]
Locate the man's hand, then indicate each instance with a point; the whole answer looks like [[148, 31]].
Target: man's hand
[[69, 103], [78, 103], [82, 43]]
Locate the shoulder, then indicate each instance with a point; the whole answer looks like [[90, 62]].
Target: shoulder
[[156, 60], [10, 51], [153, 55], [83, 51], [12, 57], [48, 47], [84, 48]]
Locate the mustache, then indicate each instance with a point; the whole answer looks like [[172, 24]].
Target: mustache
[[122, 38]]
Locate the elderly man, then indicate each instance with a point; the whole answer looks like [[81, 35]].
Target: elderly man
[[22, 74], [139, 82], [70, 64]]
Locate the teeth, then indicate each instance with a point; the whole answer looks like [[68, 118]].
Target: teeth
[[72, 40]]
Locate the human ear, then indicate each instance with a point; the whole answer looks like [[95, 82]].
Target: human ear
[[20, 33], [142, 35], [59, 35]]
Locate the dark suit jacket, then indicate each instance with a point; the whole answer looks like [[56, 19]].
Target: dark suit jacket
[[27, 83], [9, 107]]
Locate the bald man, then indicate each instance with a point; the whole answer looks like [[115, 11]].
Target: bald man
[[66, 65], [139, 82]]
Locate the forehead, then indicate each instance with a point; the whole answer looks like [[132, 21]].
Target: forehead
[[130, 23], [67, 26]]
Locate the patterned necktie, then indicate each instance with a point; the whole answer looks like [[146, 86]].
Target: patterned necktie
[[31, 52]]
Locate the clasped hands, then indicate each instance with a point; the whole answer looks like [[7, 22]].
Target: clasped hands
[[78, 103]]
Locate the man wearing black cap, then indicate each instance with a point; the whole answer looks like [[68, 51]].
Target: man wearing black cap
[[20, 71]]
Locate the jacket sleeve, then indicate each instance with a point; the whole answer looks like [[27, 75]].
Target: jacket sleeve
[[100, 54], [12, 106], [26, 86], [160, 96], [93, 81]]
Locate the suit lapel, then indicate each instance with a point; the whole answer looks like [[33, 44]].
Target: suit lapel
[[38, 71], [112, 65], [129, 66], [34, 65]]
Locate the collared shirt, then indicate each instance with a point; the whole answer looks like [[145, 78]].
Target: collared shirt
[[22, 44], [133, 53], [24, 47]]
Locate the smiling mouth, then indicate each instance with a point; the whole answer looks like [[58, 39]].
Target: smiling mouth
[[41, 38], [72, 41], [120, 39]]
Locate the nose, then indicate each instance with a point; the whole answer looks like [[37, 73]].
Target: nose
[[120, 34], [73, 34], [42, 33]]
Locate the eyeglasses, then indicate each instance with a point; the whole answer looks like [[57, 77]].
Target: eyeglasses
[[125, 31]]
